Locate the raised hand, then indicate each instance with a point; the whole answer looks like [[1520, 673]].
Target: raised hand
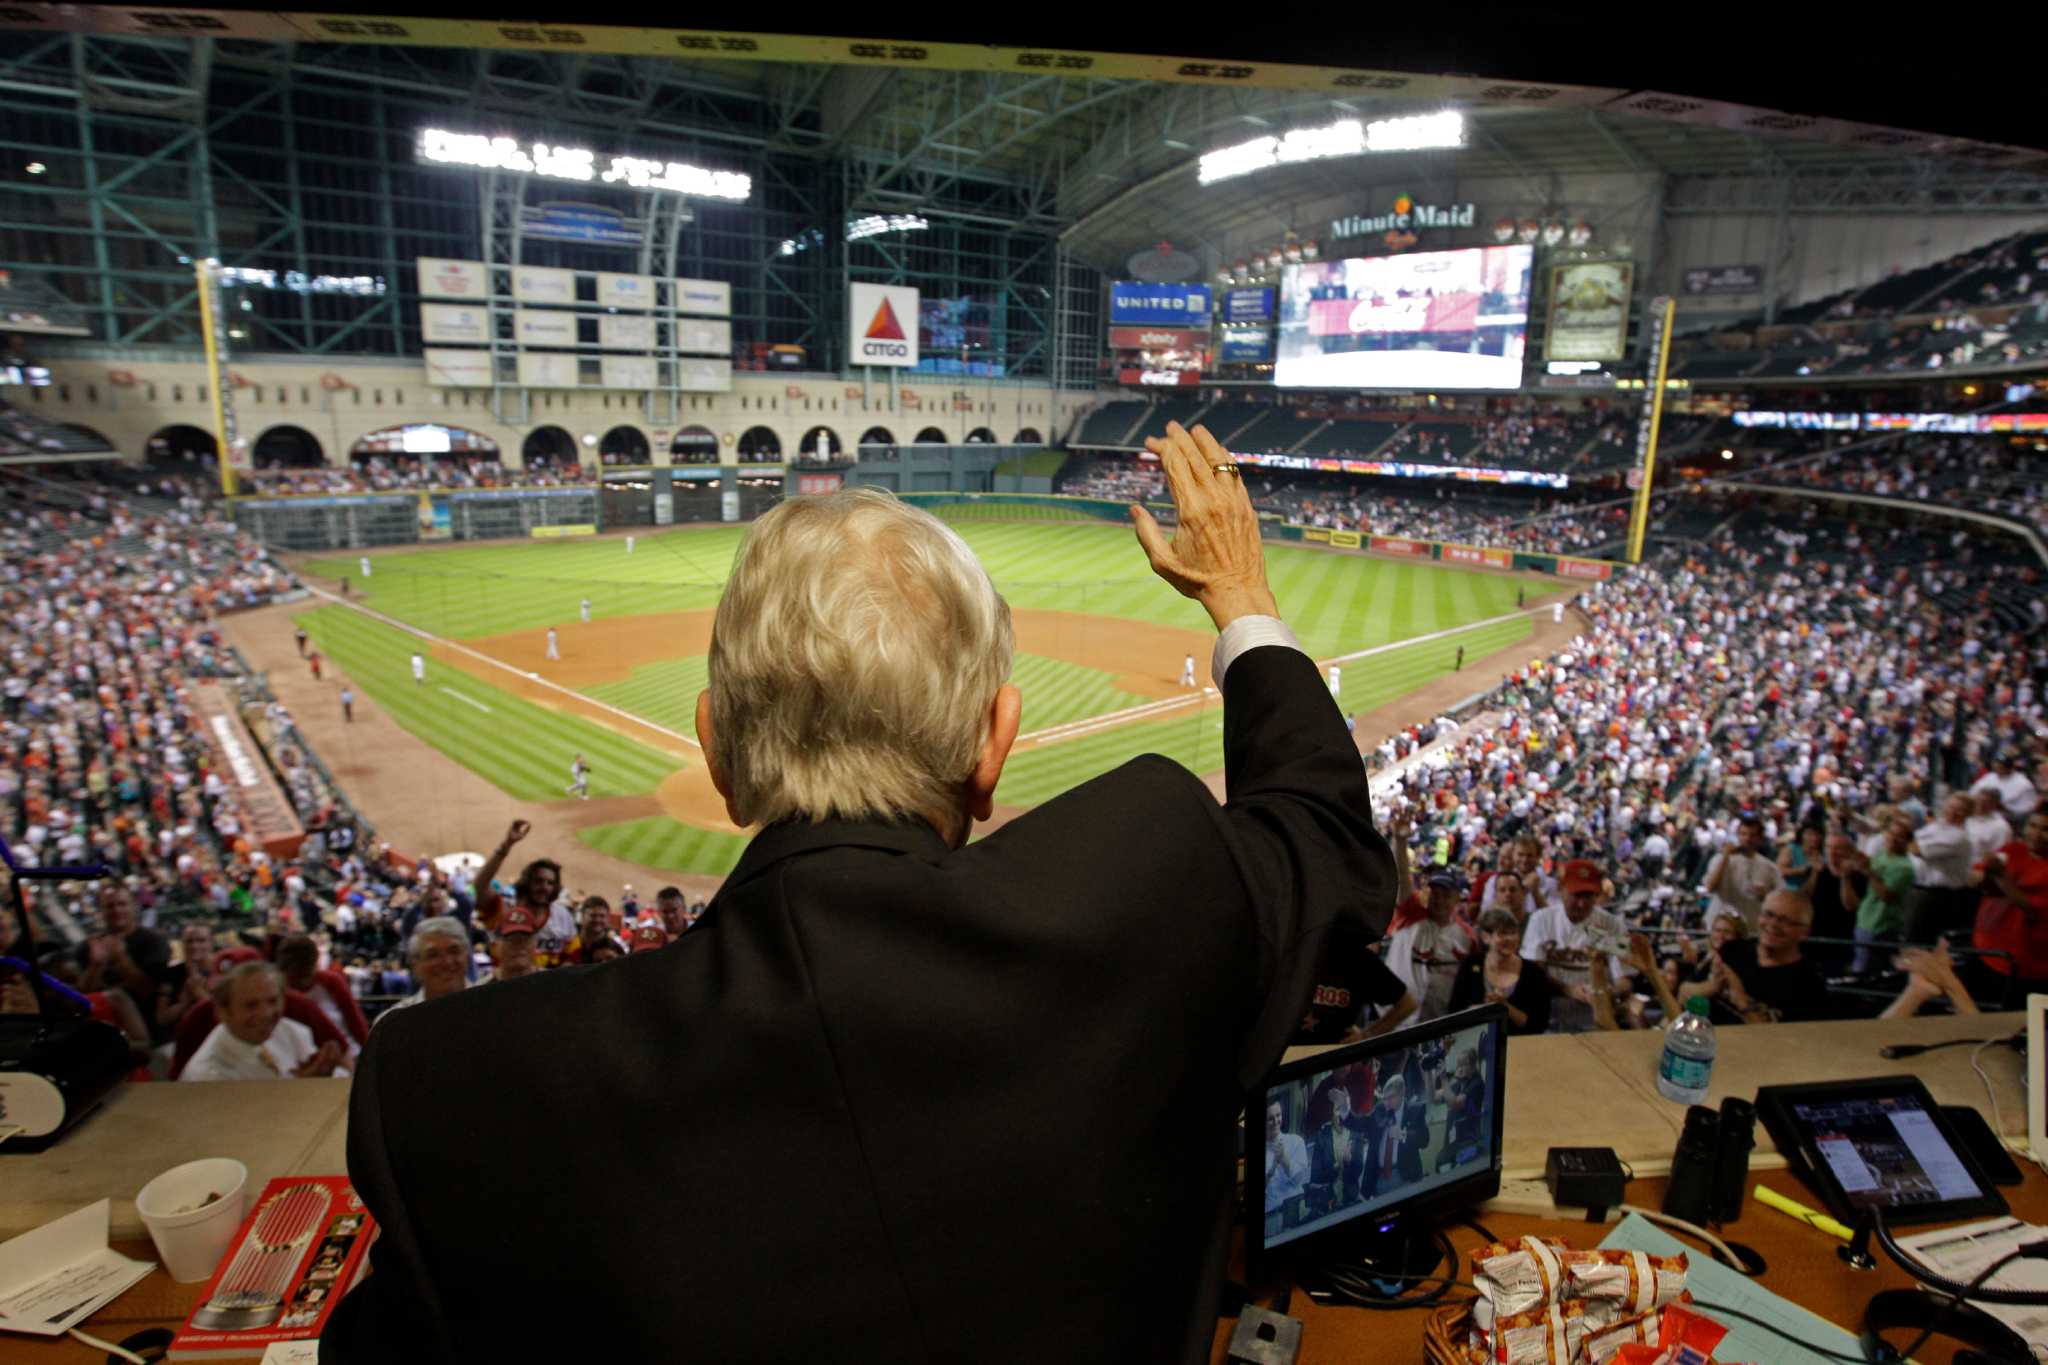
[[1215, 556]]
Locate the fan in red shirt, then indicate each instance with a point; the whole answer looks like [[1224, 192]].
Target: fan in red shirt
[[299, 958], [2013, 917]]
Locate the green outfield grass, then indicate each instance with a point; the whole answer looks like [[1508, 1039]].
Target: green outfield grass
[[1336, 603]]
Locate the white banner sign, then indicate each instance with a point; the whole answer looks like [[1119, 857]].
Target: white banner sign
[[539, 284], [539, 370], [883, 321], [535, 328], [441, 278], [704, 376], [628, 371], [705, 336], [455, 322], [712, 298], [624, 291], [626, 333], [458, 369]]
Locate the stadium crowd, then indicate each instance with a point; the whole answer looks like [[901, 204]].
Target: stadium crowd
[[1988, 473], [382, 474]]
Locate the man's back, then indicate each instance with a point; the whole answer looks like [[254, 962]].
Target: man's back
[[885, 1100]]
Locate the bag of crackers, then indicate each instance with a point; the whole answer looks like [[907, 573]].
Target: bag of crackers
[[1541, 1302]]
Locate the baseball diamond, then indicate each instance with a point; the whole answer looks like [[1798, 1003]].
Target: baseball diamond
[[1100, 645]]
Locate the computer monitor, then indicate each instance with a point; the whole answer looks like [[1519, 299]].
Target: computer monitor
[[1359, 1147]]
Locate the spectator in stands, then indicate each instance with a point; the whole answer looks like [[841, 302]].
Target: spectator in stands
[[1427, 950], [1888, 880], [538, 888], [1564, 938], [2015, 789], [186, 983], [1930, 975], [1768, 979], [2013, 918], [1500, 975], [514, 953], [597, 927], [1988, 828], [670, 904], [253, 1040], [647, 936], [298, 957], [123, 953], [1739, 878], [1943, 903], [439, 953]]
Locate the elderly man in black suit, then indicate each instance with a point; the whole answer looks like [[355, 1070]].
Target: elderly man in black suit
[[1397, 1131], [897, 1096]]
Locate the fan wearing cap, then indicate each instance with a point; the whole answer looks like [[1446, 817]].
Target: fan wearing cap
[[1566, 938], [648, 935], [1426, 953], [513, 949], [539, 884]]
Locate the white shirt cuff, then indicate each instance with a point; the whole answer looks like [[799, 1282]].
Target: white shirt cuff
[[1248, 632]]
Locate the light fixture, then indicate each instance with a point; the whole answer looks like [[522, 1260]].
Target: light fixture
[[551, 162], [1727, 454], [1346, 137], [589, 439], [36, 168]]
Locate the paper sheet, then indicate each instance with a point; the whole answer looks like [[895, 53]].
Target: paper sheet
[[57, 1276], [1961, 1253], [1712, 1283]]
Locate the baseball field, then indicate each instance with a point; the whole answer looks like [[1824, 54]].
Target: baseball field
[[1101, 644]]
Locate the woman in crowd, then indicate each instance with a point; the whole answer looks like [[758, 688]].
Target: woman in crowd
[[1798, 858], [1501, 976]]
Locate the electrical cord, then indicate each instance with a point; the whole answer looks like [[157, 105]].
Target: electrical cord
[[1941, 1284], [1481, 1229], [1971, 1290], [1360, 1284], [1725, 1252], [1896, 1050], [1997, 1118]]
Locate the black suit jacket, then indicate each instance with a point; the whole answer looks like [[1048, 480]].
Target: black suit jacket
[[1414, 1122], [887, 1100]]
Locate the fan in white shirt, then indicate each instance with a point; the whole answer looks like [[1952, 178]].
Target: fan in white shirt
[[253, 1040], [2015, 791], [1989, 830]]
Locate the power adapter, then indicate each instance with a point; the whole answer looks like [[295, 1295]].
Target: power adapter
[[1585, 1177]]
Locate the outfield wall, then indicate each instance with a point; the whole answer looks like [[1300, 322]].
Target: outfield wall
[[1059, 507]]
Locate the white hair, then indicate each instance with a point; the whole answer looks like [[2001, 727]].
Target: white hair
[[435, 926], [856, 653]]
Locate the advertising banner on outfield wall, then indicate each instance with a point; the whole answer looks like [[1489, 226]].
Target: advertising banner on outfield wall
[[455, 322], [1722, 279], [626, 333], [441, 278], [542, 284], [1589, 310], [547, 370], [704, 336], [1399, 545], [708, 298], [1473, 554], [1346, 540], [624, 291], [698, 375], [1583, 568], [457, 369]]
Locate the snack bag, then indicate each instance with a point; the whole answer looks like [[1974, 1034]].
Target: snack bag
[[1633, 1281], [1514, 1278], [1690, 1336], [1603, 1341], [1546, 1336]]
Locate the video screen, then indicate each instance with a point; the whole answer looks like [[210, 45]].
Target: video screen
[[1432, 319], [1886, 1151], [1368, 1135]]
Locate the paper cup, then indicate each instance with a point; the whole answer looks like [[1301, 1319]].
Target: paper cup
[[190, 1233]]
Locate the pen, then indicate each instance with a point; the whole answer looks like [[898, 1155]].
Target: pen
[[1793, 1208]]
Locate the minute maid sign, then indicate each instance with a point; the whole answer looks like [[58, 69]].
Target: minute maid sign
[[1407, 216], [882, 320]]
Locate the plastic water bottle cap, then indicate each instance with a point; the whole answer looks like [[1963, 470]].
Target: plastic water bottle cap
[[1696, 1005]]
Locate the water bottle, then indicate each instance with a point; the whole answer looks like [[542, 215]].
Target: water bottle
[[1688, 1060]]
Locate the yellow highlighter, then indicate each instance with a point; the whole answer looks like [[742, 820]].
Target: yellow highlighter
[[1795, 1209]]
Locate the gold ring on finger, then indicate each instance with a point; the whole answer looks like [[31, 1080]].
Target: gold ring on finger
[[1226, 467]]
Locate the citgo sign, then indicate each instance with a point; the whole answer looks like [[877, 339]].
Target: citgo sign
[[883, 321]]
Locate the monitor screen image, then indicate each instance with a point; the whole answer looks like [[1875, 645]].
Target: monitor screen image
[[1382, 1128], [1430, 319]]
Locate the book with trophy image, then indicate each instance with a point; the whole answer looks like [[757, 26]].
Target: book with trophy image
[[303, 1245]]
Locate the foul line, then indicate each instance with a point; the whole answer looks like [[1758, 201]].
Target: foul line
[[461, 696], [1151, 709], [518, 673]]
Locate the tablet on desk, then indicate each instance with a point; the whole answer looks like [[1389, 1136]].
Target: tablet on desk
[[1878, 1143]]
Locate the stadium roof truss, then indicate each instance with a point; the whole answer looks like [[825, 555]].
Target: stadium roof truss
[[1075, 162]]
